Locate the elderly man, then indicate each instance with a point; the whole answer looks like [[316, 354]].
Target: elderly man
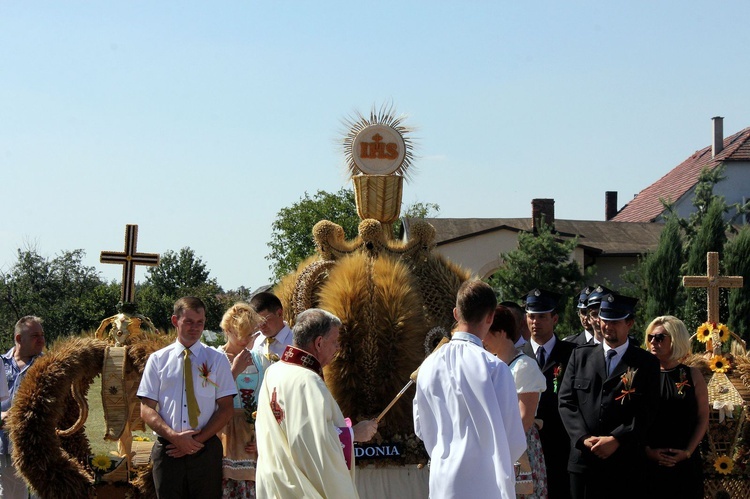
[[28, 336], [302, 431], [466, 407], [186, 397]]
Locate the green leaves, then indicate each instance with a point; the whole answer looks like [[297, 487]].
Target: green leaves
[[542, 260], [291, 237]]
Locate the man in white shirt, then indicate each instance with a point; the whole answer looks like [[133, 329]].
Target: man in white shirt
[[275, 333], [28, 337], [466, 407], [186, 398]]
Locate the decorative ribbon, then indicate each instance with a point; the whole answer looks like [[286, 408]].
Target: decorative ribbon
[[726, 410], [625, 393]]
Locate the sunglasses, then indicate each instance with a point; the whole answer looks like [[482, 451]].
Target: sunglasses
[[658, 338]]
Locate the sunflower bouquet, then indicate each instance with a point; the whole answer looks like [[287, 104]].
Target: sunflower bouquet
[[713, 334], [101, 464]]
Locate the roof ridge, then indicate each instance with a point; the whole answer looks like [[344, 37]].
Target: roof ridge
[[647, 206]]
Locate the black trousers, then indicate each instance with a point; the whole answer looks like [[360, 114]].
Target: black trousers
[[195, 476]]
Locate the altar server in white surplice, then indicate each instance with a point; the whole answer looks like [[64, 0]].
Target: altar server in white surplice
[[466, 408], [304, 444]]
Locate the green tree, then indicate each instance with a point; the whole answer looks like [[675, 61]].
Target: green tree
[[709, 236], [291, 236], [737, 262], [542, 260], [177, 275], [662, 273], [60, 290], [421, 210]]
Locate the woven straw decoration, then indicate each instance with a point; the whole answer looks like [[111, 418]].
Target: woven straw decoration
[[378, 196]]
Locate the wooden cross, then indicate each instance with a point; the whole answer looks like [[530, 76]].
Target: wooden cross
[[129, 259], [713, 281]]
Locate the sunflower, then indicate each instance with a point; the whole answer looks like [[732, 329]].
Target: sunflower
[[704, 332], [719, 364], [101, 462], [724, 465], [723, 332]]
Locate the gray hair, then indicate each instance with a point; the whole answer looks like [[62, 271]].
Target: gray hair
[[24, 323], [312, 323]]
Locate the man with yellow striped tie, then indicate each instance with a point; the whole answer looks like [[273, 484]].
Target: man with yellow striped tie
[[275, 333], [186, 398]]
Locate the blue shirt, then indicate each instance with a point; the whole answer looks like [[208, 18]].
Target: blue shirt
[[14, 375]]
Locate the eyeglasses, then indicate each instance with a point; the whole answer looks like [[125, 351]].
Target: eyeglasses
[[658, 338]]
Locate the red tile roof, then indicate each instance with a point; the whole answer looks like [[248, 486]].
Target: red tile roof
[[646, 207]]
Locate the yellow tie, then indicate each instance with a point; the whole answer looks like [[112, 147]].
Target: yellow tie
[[270, 341], [192, 403]]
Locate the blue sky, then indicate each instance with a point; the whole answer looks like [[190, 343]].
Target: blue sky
[[199, 121]]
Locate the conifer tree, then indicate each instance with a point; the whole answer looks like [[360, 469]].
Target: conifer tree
[[737, 262], [662, 274], [710, 236]]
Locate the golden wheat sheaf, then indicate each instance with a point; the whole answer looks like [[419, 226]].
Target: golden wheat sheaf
[[381, 338], [52, 465]]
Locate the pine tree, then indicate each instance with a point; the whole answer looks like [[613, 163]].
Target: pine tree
[[710, 236], [737, 262], [662, 274]]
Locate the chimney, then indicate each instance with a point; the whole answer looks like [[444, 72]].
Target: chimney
[[610, 205], [542, 209], [718, 144]]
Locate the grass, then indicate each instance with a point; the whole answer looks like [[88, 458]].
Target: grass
[[95, 425]]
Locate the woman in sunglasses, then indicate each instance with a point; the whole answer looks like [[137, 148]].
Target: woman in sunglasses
[[675, 465]]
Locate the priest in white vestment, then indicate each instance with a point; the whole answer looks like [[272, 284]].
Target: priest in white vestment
[[466, 408], [305, 447]]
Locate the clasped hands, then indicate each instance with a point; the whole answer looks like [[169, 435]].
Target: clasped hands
[[666, 457], [602, 447], [183, 444]]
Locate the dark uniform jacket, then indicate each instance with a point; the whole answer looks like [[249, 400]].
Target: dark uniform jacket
[[555, 441], [592, 403], [578, 339]]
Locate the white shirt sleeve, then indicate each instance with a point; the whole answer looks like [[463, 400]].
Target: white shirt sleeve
[[528, 376]]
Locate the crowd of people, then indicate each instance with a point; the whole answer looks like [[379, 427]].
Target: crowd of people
[[504, 409], [597, 415]]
